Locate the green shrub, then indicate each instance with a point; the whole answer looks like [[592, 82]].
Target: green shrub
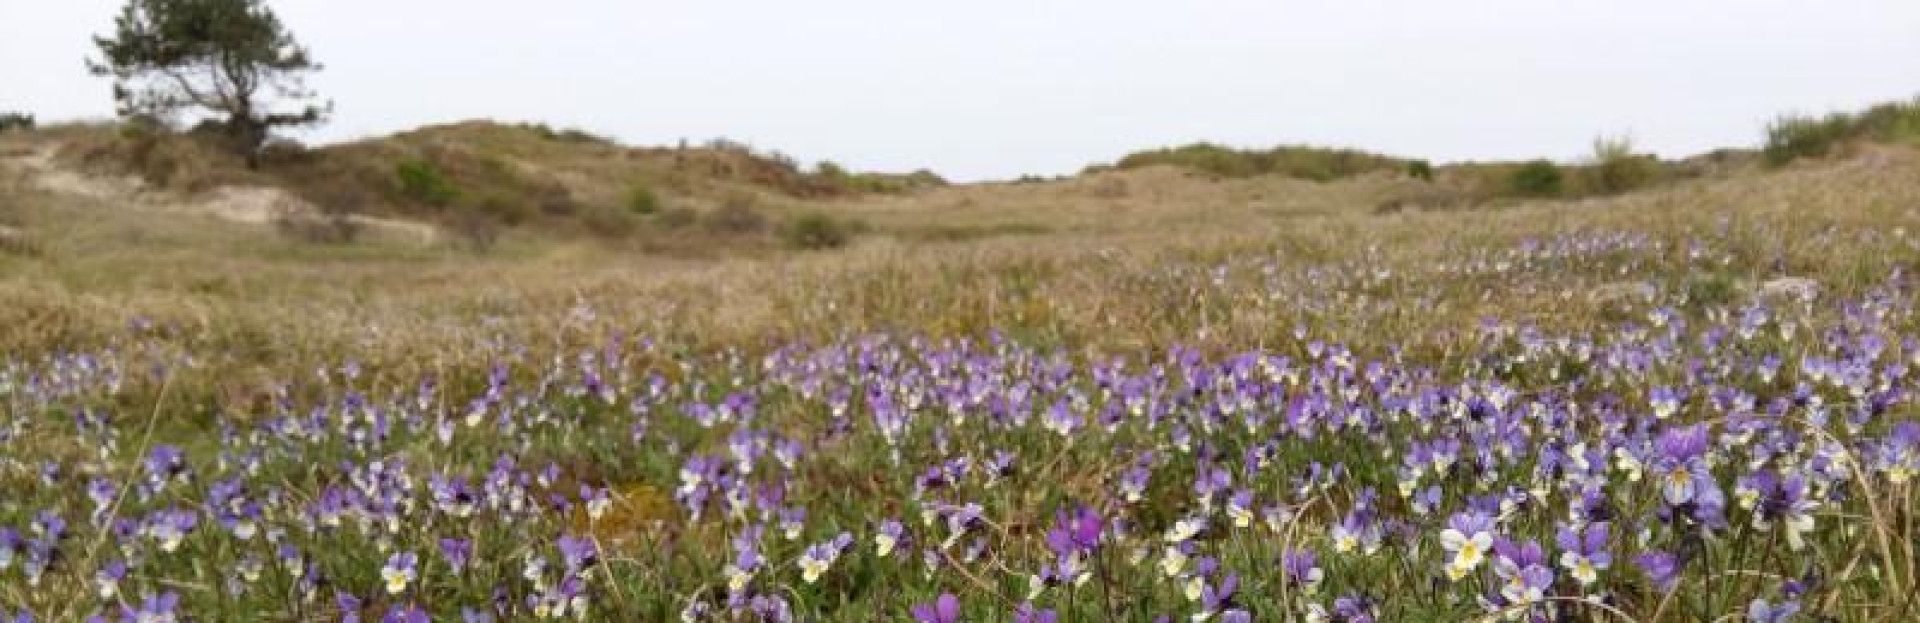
[[1539, 178], [421, 181], [1305, 162], [837, 178], [1891, 122], [1793, 137], [814, 231], [642, 201], [15, 121], [1420, 170], [1617, 169], [1710, 290]]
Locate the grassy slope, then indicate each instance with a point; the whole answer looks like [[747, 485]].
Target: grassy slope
[[1125, 262], [1094, 261]]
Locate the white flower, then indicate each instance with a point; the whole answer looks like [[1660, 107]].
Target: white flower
[[1581, 568], [1468, 551], [1185, 529]]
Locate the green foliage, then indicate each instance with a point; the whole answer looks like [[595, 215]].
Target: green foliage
[[1617, 169], [1793, 137], [1420, 170], [1891, 122], [1710, 290], [420, 181], [15, 121], [1538, 178], [1312, 163], [567, 135], [642, 201], [229, 58], [841, 180], [813, 230]]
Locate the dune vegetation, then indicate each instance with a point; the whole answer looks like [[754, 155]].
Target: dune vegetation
[[491, 371]]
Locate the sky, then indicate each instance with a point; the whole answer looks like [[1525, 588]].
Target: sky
[[993, 89]]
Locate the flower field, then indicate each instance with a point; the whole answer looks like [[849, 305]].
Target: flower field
[[1694, 405], [1692, 454]]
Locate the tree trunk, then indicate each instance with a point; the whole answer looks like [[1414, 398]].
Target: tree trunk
[[246, 135]]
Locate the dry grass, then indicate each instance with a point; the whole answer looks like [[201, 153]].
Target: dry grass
[[1115, 260]]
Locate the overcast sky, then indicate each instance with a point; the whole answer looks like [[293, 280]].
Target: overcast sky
[[997, 88]]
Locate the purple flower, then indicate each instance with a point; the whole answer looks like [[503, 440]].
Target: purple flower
[[578, 552], [108, 578], [1218, 600], [889, 536], [1584, 553], [349, 606], [1467, 538], [944, 609], [1357, 532], [1683, 444], [1076, 533], [153, 608], [1133, 483], [1661, 567], [1762, 612], [401, 569], [1026, 613], [1355, 609], [456, 551], [102, 492], [815, 561], [406, 614], [165, 462], [1303, 569], [170, 527]]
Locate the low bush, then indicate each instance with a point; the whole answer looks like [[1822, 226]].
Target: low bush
[[1617, 169], [556, 199], [1538, 178], [1794, 137], [608, 221], [1420, 170], [737, 215], [15, 121], [814, 231], [642, 201], [1891, 122], [1305, 162], [420, 181]]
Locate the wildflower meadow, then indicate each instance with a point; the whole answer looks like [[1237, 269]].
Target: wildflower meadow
[[1691, 454]]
